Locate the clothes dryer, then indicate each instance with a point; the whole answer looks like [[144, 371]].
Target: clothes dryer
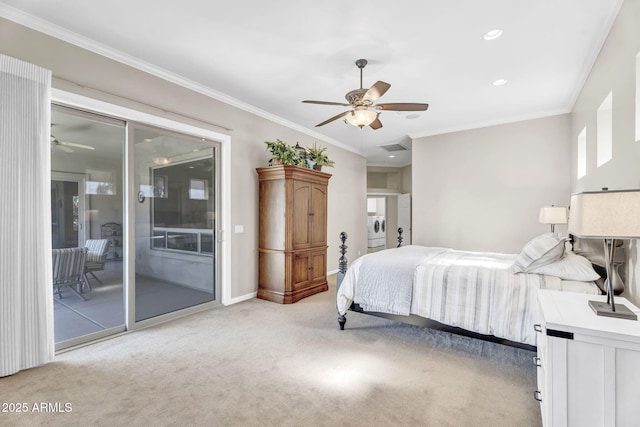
[[372, 232], [382, 234]]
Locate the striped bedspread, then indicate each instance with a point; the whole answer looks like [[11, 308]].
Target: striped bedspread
[[475, 291], [479, 292]]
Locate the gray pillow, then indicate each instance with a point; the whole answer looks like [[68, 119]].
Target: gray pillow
[[539, 251]]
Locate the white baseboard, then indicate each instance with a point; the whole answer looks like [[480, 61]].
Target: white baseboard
[[241, 298], [255, 294]]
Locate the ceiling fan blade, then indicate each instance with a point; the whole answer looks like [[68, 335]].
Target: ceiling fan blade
[[56, 144], [60, 145], [73, 144], [332, 119], [376, 124], [63, 148], [376, 91], [402, 106], [342, 104]]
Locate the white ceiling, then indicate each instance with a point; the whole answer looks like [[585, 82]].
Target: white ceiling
[[268, 56]]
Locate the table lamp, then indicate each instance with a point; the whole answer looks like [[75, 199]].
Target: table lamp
[[553, 215], [607, 215]]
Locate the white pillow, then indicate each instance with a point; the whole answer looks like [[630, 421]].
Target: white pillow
[[539, 251], [570, 267]]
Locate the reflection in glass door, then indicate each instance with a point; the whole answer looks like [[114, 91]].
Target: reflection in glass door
[[175, 221], [86, 193], [67, 210]]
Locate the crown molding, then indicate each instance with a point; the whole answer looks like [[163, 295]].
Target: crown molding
[[480, 125], [86, 43]]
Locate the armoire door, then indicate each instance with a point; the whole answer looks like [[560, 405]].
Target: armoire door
[[318, 223], [301, 214], [308, 268]]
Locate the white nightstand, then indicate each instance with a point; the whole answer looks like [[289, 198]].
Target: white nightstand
[[588, 365]]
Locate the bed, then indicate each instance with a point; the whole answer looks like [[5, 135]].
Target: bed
[[489, 294]]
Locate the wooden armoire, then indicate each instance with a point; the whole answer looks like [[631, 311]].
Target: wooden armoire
[[292, 242]]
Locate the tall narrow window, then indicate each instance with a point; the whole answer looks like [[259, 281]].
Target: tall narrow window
[[582, 153], [638, 97], [605, 130]]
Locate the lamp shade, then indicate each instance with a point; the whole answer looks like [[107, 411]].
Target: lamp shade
[[605, 214], [553, 215]]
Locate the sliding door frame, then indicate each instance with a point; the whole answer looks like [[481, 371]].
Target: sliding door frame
[[130, 208], [132, 116]]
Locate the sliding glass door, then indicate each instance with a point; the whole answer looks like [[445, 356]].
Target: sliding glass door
[[175, 221], [86, 197], [149, 227]]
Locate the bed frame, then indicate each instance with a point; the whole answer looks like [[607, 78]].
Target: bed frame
[[411, 319]]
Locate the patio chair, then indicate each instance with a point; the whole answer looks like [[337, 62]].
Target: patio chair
[[68, 270], [97, 250]]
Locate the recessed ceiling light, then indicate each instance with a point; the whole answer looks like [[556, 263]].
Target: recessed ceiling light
[[391, 156], [493, 34], [413, 116], [499, 82]]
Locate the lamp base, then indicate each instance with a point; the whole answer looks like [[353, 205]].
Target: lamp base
[[604, 309]]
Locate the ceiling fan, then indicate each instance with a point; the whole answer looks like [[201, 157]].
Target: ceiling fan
[[362, 103], [66, 146]]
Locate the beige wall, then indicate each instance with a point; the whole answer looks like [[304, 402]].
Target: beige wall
[[482, 189], [348, 208], [85, 73], [614, 70], [407, 179]]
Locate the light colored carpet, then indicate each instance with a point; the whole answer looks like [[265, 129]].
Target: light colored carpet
[[259, 363]]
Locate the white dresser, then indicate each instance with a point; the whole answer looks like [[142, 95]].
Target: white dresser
[[588, 365]]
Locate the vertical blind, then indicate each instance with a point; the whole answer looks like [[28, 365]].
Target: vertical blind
[[26, 302]]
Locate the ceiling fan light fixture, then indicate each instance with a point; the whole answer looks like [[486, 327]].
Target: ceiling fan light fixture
[[161, 161], [361, 117], [363, 103], [493, 34]]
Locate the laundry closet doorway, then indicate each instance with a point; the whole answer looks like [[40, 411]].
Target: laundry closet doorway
[[386, 212], [377, 224]]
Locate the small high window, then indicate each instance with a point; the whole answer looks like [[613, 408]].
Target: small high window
[[582, 153], [638, 97], [605, 130]]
